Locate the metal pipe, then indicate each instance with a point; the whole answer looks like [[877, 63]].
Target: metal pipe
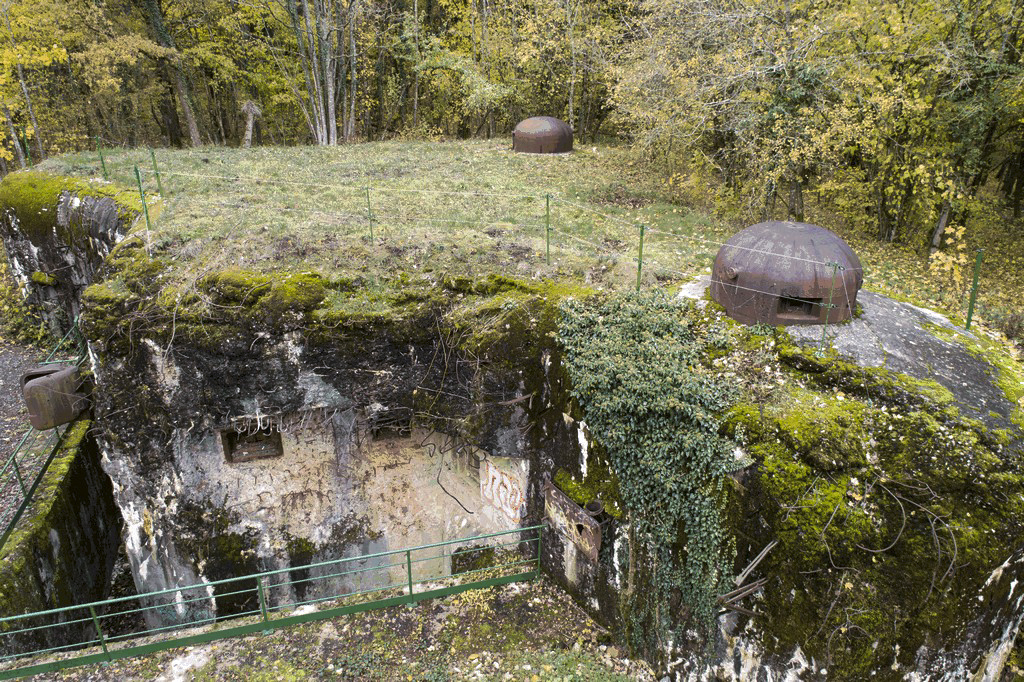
[[369, 214], [145, 208], [408, 567], [156, 171], [103, 163], [99, 630], [547, 226]]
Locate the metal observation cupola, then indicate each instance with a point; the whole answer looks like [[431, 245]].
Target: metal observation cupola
[[542, 135], [784, 273]]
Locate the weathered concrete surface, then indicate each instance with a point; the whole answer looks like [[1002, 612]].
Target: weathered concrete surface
[[344, 485], [915, 341], [902, 337]]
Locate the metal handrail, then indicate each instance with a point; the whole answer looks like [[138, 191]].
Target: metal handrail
[[518, 566], [11, 472]]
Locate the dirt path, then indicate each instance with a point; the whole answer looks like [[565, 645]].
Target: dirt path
[[13, 418]]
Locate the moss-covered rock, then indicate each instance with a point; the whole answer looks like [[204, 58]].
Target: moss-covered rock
[[52, 224], [887, 505]]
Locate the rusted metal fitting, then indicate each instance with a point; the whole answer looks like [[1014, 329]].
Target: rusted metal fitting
[[784, 273], [542, 135], [53, 395]]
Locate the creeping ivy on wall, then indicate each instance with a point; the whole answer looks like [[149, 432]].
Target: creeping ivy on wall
[[635, 361]]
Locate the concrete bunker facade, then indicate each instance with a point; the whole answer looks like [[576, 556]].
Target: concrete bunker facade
[[786, 273], [275, 448], [241, 440]]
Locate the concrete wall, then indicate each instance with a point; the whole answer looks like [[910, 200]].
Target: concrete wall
[[63, 550]]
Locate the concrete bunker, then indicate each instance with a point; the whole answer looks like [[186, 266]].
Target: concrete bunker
[[786, 273]]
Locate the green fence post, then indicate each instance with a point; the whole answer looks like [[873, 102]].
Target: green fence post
[[103, 162], [369, 214], [99, 630], [828, 307], [24, 144], [145, 207], [156, 171], [640, 258], [974, 288], [263, 603], [547, 227], [408, 568], [17, 475], [540, 541]]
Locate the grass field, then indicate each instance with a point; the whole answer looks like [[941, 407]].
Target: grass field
[[467, 207]]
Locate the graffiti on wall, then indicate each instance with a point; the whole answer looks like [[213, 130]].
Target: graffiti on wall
[[502, 490]]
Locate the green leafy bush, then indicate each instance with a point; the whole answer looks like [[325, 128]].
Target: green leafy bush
[[635, 361]]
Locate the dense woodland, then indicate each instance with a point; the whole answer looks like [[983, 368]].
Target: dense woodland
[[903, 117]]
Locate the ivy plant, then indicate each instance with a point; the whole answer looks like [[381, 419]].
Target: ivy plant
[[635, 362]]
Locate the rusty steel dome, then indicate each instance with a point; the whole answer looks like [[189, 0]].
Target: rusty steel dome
[[542, 135], [780, 273]]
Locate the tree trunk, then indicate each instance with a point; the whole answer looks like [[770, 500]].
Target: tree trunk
[[940, 228], [169, 121], [416, 73], [24, 89], [330, 67], [14, 137], [796, 201], [249, 120], [316, 94], [31, 111], [179, 82], [354, 81]]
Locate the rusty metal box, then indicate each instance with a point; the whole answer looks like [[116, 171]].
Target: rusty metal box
[[53, 395]]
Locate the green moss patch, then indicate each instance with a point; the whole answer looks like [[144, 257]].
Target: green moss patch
[[43, 279], [599, 484], [888, 505], [33, 197]]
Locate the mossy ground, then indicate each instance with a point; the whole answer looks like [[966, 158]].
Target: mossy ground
[[34, 196], [524, 632], [302, 208]]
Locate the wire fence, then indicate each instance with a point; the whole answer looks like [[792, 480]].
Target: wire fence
[[462, 230], [102, 631]]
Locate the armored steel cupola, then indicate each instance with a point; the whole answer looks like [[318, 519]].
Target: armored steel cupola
[[542, 135], [784, 273]]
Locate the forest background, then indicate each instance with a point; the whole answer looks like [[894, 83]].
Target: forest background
[[898, 119]]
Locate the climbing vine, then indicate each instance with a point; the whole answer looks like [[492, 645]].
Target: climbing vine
[[635, 361]]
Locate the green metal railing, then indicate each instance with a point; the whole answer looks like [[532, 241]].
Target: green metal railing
[[104, 631], [24, 469]]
